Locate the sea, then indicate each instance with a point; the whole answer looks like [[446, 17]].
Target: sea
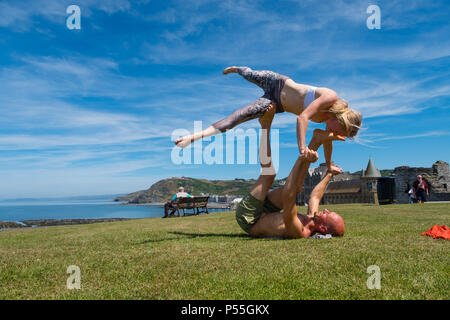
[[76, 208]]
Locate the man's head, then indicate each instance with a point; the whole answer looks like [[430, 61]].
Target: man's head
[[180, 189], [329, 222]]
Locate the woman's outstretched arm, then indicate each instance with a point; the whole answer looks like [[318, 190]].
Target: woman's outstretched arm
[[324, 102], [328, 151]]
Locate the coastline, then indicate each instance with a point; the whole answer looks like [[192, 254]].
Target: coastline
[[156, 204], [211, 205], [6, 225], [35, 223]]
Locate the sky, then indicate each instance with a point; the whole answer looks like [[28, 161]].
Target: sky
[[92, 111]]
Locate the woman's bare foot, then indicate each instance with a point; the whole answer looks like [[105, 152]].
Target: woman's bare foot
[[323, 136], [267, 117], [183, 142], [334, 170], [230, 70]]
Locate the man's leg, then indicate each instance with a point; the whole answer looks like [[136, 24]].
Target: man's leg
[[166, 209], [250, 208], [173, 208], [262, 185]]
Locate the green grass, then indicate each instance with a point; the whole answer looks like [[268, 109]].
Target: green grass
[[209, 257]]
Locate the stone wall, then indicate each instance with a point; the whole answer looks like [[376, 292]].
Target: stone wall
[[311, 180], [438, 178], [314, 176], [341, 198]]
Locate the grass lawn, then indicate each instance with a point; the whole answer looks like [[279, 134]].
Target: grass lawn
[[210, 257]]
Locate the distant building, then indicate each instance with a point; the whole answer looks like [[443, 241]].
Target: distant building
[[350, 189], [311, 180], [222, 199], [235, 202], [371, 187]]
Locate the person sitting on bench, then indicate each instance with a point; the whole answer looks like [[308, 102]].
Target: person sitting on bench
[[259, 214], [172, 205]]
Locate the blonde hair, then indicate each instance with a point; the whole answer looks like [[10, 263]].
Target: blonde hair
[[349, 119]]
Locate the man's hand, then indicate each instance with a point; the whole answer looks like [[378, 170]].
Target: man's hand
[[311, 214], [309, 155], [334, 170]]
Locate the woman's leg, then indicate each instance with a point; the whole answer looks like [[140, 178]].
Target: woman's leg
[[183, 142], [249, 112], [262, 78]]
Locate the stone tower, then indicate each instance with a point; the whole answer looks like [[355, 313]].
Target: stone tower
[[369, 179]]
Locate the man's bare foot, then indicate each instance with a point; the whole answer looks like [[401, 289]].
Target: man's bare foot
[[267, 117], [230, 70], [183, 142]]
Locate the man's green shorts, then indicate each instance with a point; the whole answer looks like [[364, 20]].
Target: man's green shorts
[[250, 210]]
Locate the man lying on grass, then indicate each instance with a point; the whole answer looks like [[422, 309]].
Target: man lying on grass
[[259, 214]]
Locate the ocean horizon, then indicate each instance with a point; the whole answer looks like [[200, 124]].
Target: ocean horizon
[[82, 207]]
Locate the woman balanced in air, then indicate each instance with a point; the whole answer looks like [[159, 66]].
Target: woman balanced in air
[[320, 105]]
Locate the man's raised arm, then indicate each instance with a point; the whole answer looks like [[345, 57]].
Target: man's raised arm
[[294, 184], [319, 190]]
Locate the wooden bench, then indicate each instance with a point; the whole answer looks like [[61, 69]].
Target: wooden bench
[[199, 204]]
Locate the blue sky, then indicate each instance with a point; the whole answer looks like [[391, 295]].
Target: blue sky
[[91, 111]]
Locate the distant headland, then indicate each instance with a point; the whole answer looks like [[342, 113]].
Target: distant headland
[[163, 190]]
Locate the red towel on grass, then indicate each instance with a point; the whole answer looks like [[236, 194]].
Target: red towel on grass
[[437, 232]]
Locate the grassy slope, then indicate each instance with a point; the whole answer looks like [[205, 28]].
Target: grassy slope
[[209, 257]]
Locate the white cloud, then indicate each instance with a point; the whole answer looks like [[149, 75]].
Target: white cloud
[[413, 136], [20, 15], [291, 37]]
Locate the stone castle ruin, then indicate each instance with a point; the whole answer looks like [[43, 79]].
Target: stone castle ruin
[[371, 187], [437, 177]]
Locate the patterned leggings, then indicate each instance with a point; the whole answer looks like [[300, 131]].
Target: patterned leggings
[[272, 83]]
